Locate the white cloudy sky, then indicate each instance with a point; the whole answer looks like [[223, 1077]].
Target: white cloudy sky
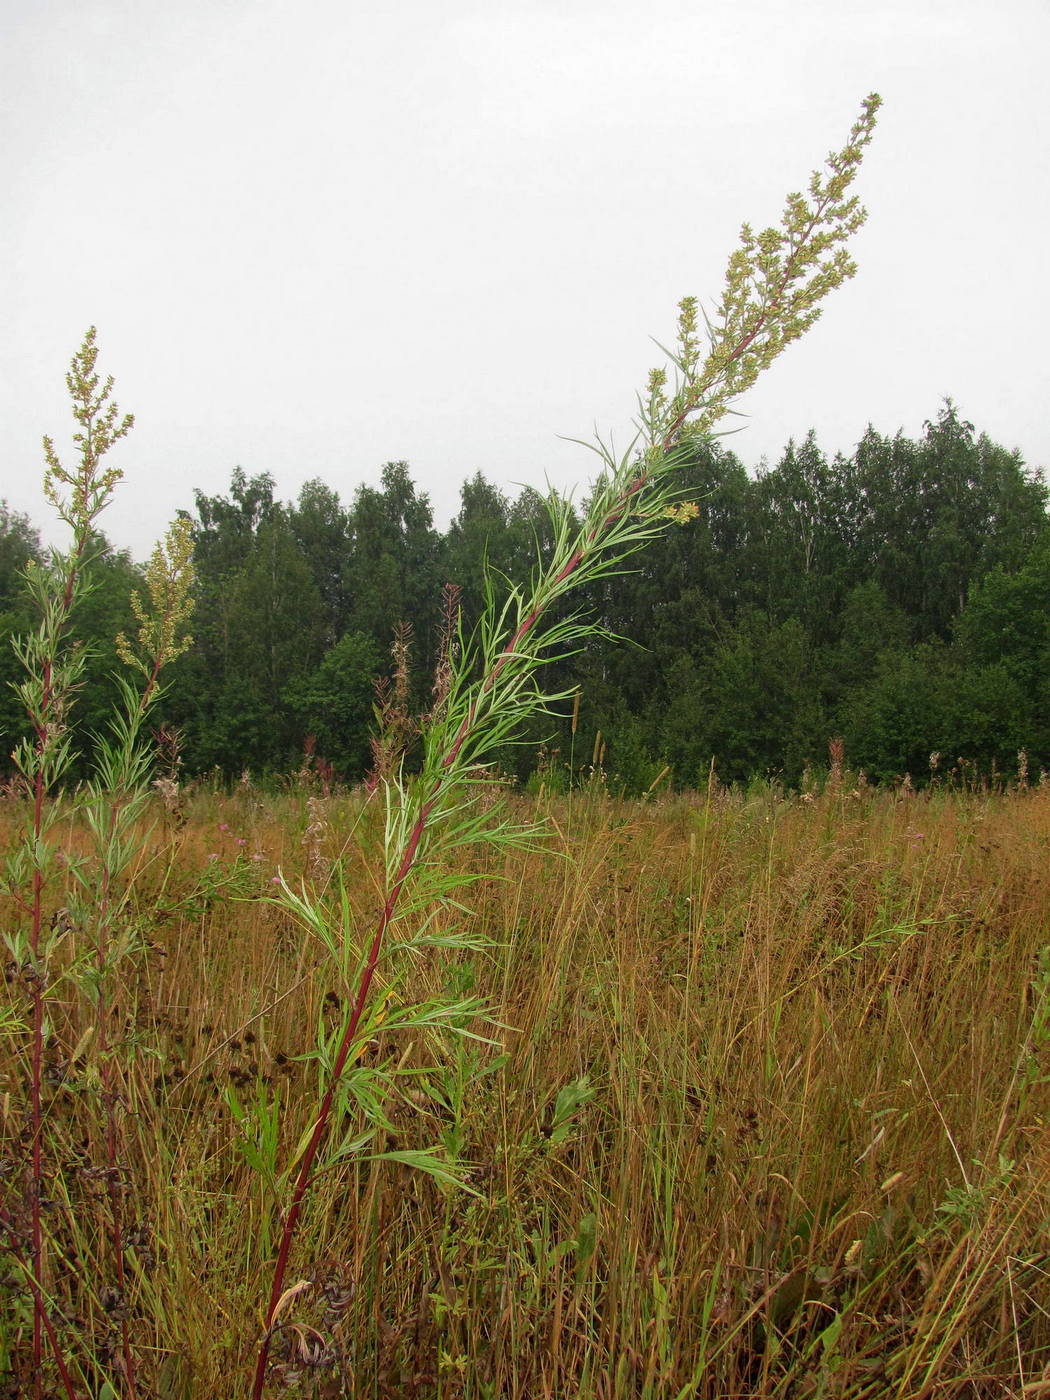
[[320, 235]]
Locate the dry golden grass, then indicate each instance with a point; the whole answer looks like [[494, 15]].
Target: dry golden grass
[[810, 1156]]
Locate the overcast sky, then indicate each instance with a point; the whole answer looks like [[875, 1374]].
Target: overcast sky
[[321, 235]]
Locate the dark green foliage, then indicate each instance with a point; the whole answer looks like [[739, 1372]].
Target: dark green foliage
[[334, 703], [260, 622], [752, 705], [322, 531], [868, 625], [104, 610], [19, 544], [900, 715], [934, 515], [392, 571], [1003, 640], [899, 597], [479, 541], [1007, 620]]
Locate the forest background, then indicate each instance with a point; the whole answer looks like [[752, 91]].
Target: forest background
[[897, 598]]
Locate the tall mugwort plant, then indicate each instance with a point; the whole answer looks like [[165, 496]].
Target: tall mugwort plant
[[39, 873], [775, 283]]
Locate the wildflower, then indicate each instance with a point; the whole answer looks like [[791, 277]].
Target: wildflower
[[682, 513]]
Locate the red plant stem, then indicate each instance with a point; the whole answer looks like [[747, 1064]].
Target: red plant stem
[[506, 656], [36, 1077], [43, 727], [690, 403], [386, 916], [56, 1350], [305, 1169], [38, 1298]]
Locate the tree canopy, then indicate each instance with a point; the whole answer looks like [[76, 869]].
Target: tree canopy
[[898, 597]]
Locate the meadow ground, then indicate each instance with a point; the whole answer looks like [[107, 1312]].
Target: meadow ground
[[761, 1109]]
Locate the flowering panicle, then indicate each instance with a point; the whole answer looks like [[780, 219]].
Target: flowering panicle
[[89, 486], [775, 282], [169, 579]]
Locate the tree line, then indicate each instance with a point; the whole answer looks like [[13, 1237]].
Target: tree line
[[898, 598]]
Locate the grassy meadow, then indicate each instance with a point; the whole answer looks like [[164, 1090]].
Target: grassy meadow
[[760, 1107]]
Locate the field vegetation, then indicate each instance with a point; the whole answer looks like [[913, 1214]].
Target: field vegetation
[[434, 1086], [759, 1106]]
